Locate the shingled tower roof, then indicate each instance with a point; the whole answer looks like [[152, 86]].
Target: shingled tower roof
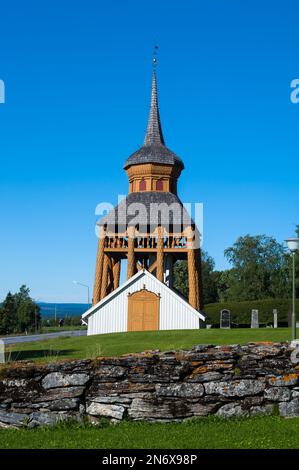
[[154, 149], [154, 134]]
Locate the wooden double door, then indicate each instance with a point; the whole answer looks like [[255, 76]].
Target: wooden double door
[[143, 311]]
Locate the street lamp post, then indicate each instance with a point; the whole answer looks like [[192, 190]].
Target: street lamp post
[[84, 285], [293, 245]]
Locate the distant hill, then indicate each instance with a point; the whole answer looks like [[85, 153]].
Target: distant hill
[[62, 310]]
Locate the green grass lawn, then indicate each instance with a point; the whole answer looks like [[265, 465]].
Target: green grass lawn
[[123, 343], [270, 432]]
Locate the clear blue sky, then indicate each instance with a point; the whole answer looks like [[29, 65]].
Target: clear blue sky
[[78, 77]]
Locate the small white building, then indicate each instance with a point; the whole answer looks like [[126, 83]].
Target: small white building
[[142, 303]]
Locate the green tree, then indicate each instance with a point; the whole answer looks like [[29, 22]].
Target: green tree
[[209, 278], [22, 295], [260, 269], [27, 311], [180, 277], [19, 313], [223, 282], [8, 315]]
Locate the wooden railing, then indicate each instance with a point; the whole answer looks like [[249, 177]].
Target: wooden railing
[[146, 242]]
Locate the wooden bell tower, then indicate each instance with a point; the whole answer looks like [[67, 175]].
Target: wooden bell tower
[[150, 229]]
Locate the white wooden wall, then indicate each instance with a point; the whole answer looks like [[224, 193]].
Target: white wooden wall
[[112, 316]]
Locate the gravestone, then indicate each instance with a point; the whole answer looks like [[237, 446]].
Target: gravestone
[[225, 318], [254, 318], [275, 315]]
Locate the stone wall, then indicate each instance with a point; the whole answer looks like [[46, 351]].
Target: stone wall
[[259, 378]]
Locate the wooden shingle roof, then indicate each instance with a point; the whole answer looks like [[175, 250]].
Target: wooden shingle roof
[[154, 149], [147, 208]]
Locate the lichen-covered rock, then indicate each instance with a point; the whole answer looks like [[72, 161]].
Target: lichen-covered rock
[[232, 410], [295, 355], [210, 352], [266, 349], [38, 418], [106, 410], [203, 409], [287, 380], [15, 382], [65, 404], [277, 394], [57, 379], [13, 419], [7, 426], [110, 373], [261, 410], [256, 400], [199, 374], [239, 409], [185, 390], [112, 400], [274, 365], [219, 366], [60, 393], [27, 407], [4, 406], [163, 373], [18, 389], [201, 348], [121, 388], [237, 388], [289, 409], [158, 409]]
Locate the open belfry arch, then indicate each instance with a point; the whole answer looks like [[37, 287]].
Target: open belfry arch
[[150, 228]]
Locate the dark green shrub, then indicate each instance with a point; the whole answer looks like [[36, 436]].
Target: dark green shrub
[[241, 311]]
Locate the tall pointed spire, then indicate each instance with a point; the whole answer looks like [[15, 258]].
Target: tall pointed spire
[[154, 134], [154, 149]]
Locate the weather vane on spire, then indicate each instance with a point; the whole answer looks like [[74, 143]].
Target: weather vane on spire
[[155, 60]]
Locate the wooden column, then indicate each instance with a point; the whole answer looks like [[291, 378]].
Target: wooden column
[[160, 255], [105, 276], [110, 282], [116, 273], [131, 255], [200, 304], [192, 277], [99, 269]]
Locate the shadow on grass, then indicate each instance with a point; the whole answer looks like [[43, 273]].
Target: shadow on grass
[[37, 354]]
